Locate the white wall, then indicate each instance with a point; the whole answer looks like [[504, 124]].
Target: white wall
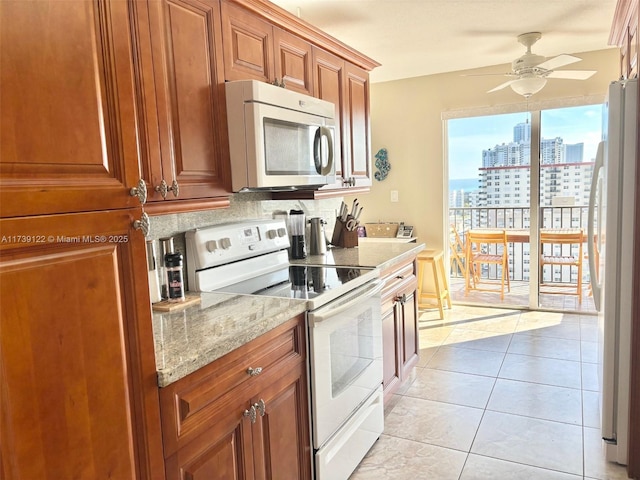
[[406, 119]]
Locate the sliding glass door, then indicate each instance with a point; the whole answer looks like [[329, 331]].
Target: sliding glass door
[[569, 140], [495, 163]]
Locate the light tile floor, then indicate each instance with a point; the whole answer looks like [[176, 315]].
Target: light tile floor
[[497, 395]]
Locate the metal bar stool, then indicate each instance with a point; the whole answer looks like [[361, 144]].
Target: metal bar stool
[[434, 258]]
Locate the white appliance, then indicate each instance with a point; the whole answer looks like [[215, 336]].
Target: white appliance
[[344, 330], [610, 232], [279, 139], [345, 352]]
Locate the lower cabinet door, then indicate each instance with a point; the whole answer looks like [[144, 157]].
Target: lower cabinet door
[[79, 397], [410, 347], [215, 455], [390, 354], [282, 446]]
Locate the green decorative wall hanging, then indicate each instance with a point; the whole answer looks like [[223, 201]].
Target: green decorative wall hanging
[[382, 164]]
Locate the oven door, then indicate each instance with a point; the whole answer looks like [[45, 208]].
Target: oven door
[[289, 148], [345, 351]]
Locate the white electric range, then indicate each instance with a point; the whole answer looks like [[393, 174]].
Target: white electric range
[[344, 329]]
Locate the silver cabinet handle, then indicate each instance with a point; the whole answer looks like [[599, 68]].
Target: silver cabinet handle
[[162, 189], [261, 407], [349, 182], [140, 191], [175, 188], [254, 372], [251, 413], [143, 224]]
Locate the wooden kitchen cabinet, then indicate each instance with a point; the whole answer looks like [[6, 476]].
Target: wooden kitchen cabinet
[[357, 164], [67, 125], [79, 393], [256, 49], [208, 428], [624, 34], [347, 87], [400, 348], [181, 100], [330, 80]]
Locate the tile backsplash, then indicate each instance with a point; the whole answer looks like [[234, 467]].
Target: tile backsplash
[[243, 206]]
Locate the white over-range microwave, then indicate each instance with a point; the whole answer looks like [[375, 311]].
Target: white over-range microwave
[[279, 139]]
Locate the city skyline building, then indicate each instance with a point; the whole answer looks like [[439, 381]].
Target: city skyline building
[[505, 174]]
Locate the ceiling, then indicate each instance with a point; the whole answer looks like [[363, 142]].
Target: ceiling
[[422, 37]]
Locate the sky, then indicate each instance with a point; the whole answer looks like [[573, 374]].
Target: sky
[[468, 137]]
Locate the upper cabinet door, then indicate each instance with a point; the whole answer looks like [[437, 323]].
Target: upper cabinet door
[[67, 124], [186, 156], [248, 45], [359, 135], [293, 62], [329, 83]]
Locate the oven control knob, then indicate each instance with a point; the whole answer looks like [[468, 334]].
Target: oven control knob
[[225, 243], [211, 246], [271, 234], [282, 232]]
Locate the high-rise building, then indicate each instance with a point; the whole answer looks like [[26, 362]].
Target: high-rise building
[[522, 132], [551, 151], [508, 186], [574, 153]]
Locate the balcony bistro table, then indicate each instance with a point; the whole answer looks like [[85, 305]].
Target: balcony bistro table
[[521, 235]]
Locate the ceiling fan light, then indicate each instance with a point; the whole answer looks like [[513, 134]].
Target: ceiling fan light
[[528, 86]]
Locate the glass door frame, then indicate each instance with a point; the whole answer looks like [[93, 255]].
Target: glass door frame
[[534, 211]]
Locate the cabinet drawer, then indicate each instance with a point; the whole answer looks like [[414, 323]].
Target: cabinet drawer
[[215, 393], [396, 281], [405, 286]]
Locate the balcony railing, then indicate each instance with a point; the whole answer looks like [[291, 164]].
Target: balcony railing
[[464, 219]]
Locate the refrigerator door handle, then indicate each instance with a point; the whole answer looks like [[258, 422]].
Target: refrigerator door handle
[[593, 277]]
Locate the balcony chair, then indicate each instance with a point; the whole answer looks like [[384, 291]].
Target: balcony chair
[[571, 256], [456, 250], [486, 248]]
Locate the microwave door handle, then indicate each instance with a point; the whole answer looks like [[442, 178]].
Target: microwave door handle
[[317, 151]]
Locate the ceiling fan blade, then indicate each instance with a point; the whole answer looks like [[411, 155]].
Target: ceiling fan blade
[[501, 86], [557, 62], [510, 74], [571, 74]]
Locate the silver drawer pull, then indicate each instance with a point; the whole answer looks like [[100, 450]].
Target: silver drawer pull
[[251, 413], [254, 372]]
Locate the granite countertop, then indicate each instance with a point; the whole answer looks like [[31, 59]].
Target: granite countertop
[[189, 339], [372, 255]]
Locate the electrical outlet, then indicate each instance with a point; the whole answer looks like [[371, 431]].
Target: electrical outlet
[[394, 195]]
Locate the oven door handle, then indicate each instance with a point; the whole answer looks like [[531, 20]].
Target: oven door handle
[[370, 291]]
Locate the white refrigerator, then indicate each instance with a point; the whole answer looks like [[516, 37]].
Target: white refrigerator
[[610, 233]]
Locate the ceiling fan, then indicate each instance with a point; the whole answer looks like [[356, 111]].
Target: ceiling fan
[[531, 71]]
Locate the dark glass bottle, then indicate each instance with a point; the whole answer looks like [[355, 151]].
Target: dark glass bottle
[[175, 276]]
